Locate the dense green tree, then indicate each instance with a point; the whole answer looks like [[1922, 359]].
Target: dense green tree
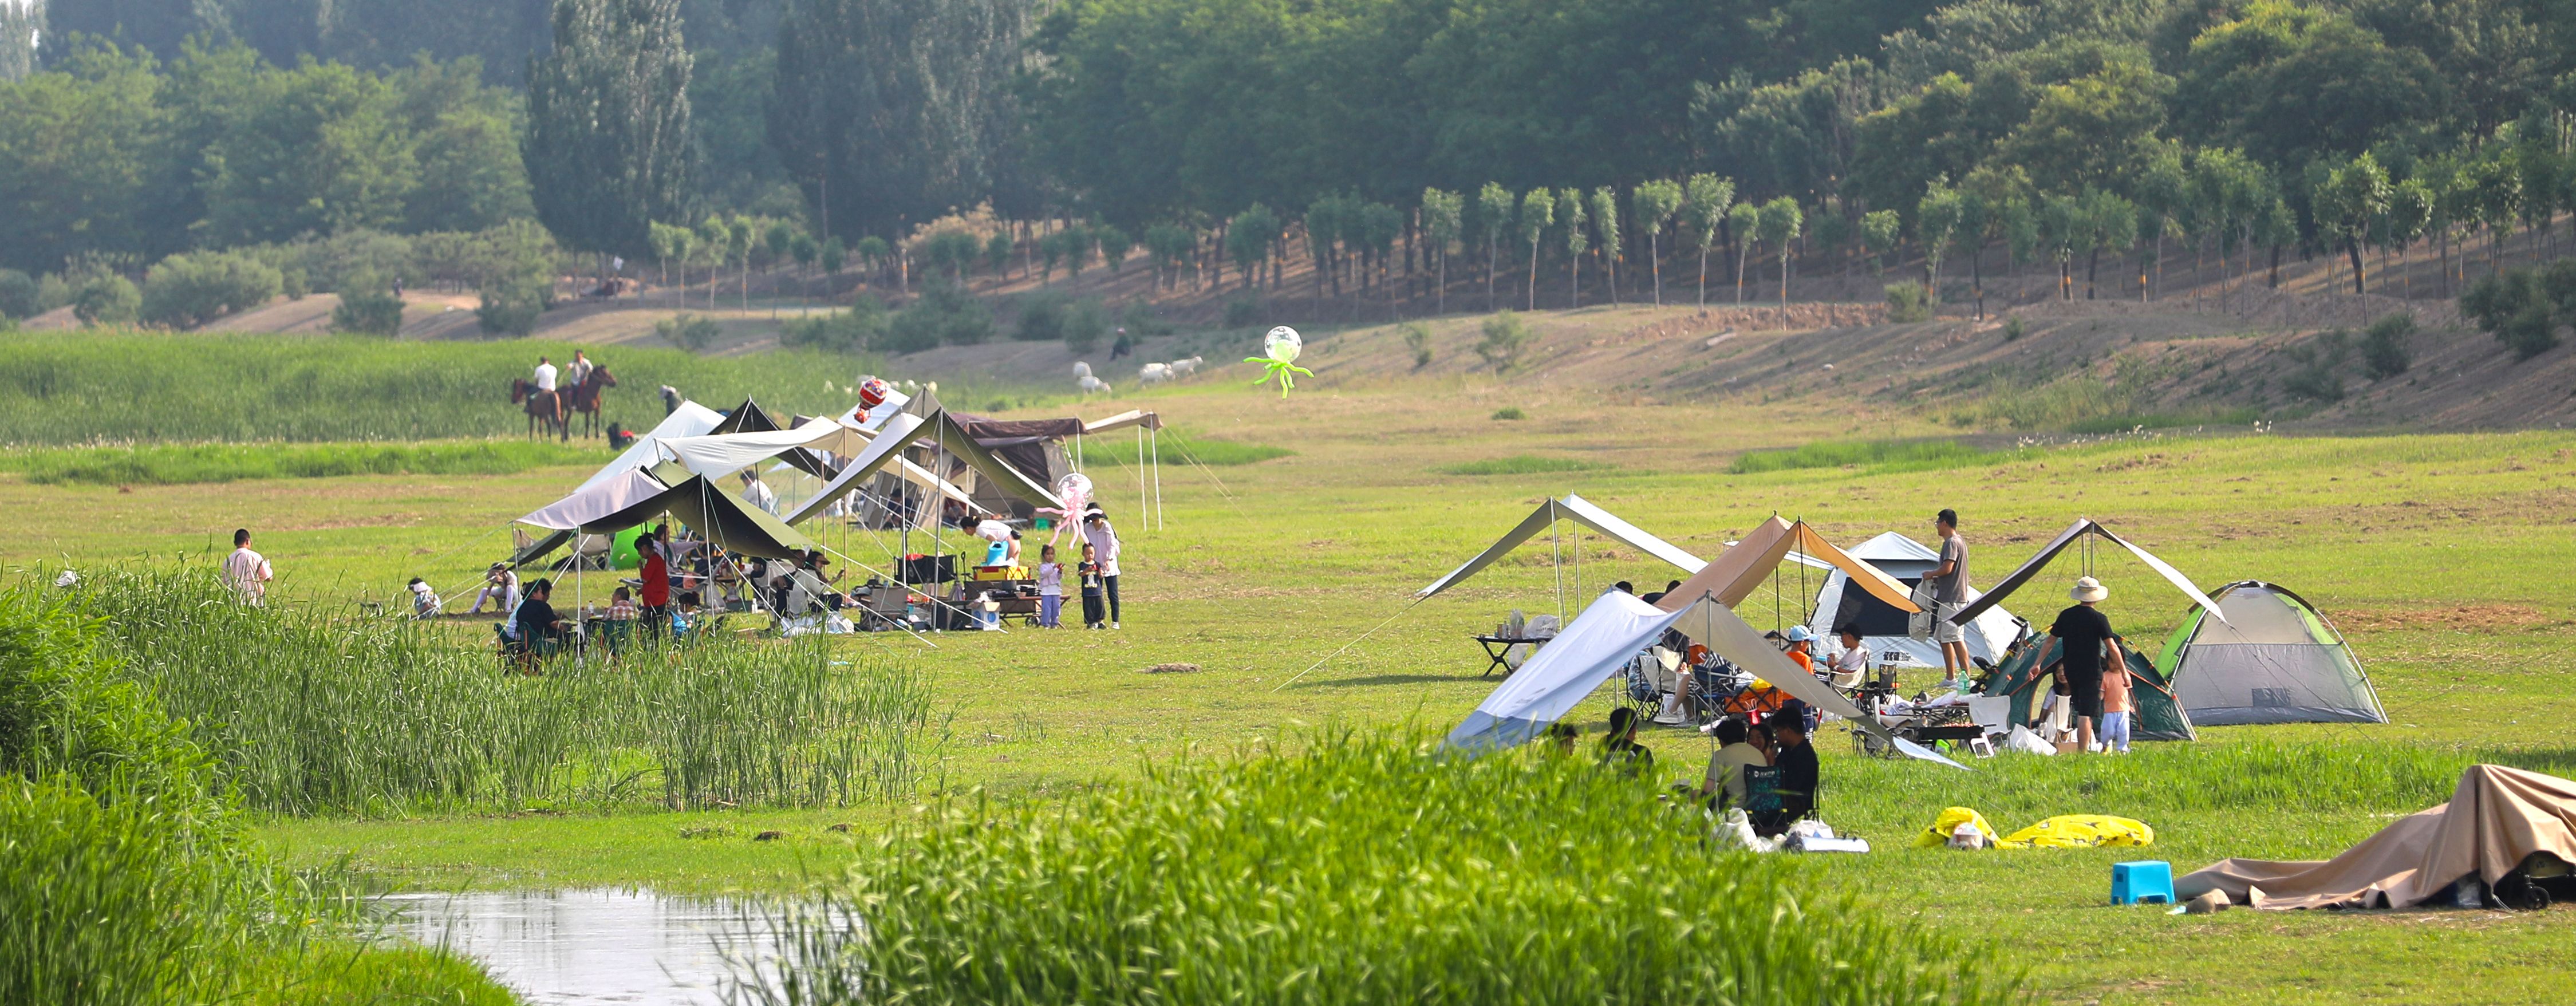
[[2290, 83], [1781, 224], [1706, 200], [1538, 213], [1570, 212], [1605, 220], [1879, 232], [322, 148], [2352, 200], [80, 162], [1937, 217], [1656, 202], [1443, 219], [1744, 220], [19, 23], [607, 138], [1494, 210]]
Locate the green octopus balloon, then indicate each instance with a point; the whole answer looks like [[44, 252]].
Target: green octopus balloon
[[1282, 346]]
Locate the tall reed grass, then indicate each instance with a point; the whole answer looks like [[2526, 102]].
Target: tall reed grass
[[306, 711], [182, 464], [1363, 868]]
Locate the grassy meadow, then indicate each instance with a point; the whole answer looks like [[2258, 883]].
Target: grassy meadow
[[2444, 558]]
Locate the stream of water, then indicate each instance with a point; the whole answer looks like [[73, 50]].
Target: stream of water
[[575, 948]]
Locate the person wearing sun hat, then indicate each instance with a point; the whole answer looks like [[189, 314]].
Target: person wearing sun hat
[[1800, 640], [2087, 649]]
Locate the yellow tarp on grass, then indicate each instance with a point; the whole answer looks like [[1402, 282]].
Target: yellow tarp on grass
[[2080, 831]]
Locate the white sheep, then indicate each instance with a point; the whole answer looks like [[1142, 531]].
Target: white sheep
[[1154, 373], [1081, 370], [1184, 368], [1090, 384]]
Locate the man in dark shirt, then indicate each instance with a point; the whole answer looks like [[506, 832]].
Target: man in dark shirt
[[1795, 761], [2087, 649], [539, 631]]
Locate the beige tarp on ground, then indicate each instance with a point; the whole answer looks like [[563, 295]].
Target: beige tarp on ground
[[2496, 818], [1745, 565]]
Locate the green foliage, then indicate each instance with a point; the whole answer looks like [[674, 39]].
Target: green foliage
[[188, 290], [1140, 319], [952, 251], [1349, 899], [1041, 318], [1506, 336], [944, 315], [511, 305], [858, 328], [18, 293], [367, 311], [2013, 330], [1509, 414], [2524, 308], [833, 257], [107, 300], [1243, 312], [997, 252], [1085, 324], [691, 332], [1417, 340], [193, 464], [2384, 350], [1907, 302], [1520, 464], [1248, 238], [1871, 457], [607, 130], [1114, 245]]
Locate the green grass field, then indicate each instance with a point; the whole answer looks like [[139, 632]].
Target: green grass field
[[2446, 559]]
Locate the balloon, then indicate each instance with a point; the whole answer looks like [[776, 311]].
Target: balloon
[[1072, 494], [873, 392], [1280, 347]]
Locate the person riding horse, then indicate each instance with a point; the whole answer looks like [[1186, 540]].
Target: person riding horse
[[587, 396], [543, 403]]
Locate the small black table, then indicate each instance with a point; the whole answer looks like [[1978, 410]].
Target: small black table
[[1497, 647]]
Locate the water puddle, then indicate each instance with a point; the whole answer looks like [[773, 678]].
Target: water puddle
[[575, 948]]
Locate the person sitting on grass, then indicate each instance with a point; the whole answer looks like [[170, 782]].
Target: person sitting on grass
[[684, 615], [1797, 779], [1561, 737], [1735, 751], [424, 601], [1619, 747], [539, 630], [500, 586]]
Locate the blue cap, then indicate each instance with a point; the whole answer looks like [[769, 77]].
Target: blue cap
[[1799, 634]]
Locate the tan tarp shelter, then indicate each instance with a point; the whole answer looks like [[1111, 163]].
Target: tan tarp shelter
[[1745, 565], [1576, 509], [2497, 819], [2082, 527]]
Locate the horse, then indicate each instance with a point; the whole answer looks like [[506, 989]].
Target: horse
[[586, 398], [541, 406]]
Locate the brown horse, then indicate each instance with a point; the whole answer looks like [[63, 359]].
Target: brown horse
[[542, 407], [587, 397]]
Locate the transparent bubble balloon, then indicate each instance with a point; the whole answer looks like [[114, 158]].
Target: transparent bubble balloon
[[1279, 359], [1283, 344]]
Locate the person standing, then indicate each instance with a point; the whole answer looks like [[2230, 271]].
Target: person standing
[[1104, 545], [655, 572], [1949, 594], [2087, 649], [1089, 572], [247, 572], [1050, 589], [2117, 711]]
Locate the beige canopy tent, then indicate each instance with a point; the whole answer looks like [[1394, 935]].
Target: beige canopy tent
[[1746, 564], [2083, 527], [1576, 509], [2498, 820]]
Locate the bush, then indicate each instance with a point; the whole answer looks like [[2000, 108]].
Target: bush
[[2523, 308], [511, 306], [367, 312], [1243, 312], [2384, 353], [17, 294], [1510, 413], [293, 283], [192, 288], [1041, 318], [861, 327], [1142, 320], [1506, 336], [107, 300], [944, 315], [1357, 869], [1907, 302], [1085, 324], [2013, 330], [53, 290], [1417, 340], [688, 331]]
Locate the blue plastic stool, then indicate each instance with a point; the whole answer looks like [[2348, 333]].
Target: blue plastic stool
[[2145, 882]]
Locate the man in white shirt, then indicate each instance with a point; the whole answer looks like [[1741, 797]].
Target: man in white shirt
[[245, 571], [758, 494], [1104, 547], [577, 372], [545, 376]]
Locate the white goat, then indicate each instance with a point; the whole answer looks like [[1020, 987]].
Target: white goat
[[1154, 373], [1184, 368], [1090, 384]]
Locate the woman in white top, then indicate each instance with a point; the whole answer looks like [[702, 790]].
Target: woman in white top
[[1852, 664]]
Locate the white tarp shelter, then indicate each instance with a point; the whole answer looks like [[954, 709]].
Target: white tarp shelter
[[1614, 630], [1884, 628], [591, 503], [719, 455], [2083, 526], [689, 420], [1576, 509]]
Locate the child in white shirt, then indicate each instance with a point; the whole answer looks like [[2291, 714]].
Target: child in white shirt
[[1050, 588]]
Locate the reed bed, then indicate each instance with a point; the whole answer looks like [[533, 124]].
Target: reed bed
[[308, 712], [1362, 868], [192, 464]]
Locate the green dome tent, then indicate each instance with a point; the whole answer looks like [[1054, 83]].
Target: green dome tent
[[2273, 659], [2023, 676]]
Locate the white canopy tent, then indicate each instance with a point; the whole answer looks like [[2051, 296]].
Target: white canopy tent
[[2083, 526], [1614, 630], [1885, 628], [723, 454], [593, 502], [690, 419], [1576, 509]]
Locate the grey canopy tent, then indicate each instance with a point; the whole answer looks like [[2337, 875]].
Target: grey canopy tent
[[2274, 659], [1576, 509], [2082, 528]]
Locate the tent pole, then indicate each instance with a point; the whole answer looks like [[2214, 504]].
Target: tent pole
[[581, 638], [1157, 437], [1144, 506], [1556, 561]]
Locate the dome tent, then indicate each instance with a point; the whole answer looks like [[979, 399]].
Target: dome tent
[[2271, 658]]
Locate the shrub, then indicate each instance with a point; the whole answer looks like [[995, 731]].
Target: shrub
[[107, 300], [1243, 312], [1510, 413], [2384, 353], [53, 290], [860, 327], [192, 288], [17, 294], [511, 305], [1041, 318], [1506, 336], [1360, 869], [2013, 330], [2523, 308], [1141, 320], [1084, 324], [1907, 302], [944, 315], [688, 331], [293, 283], [1417, 340], [367, 312]]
